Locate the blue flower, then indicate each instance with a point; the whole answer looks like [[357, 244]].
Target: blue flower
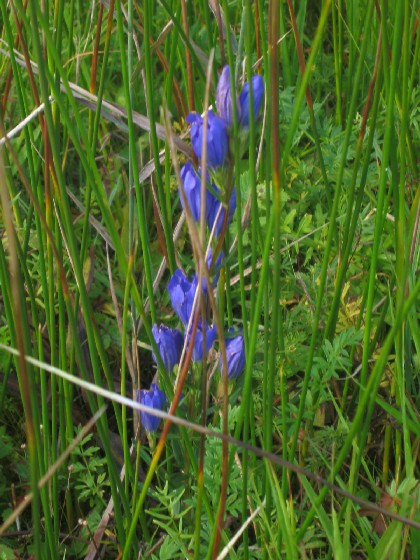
[[170, 343], [257, 84], [210, 333], [154, 398], [213, 204], [182, 293], [217, 138], [192, 188], [224, 98], [235, 355]]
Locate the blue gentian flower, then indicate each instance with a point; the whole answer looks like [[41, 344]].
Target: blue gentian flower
[[235, 354], [224, 98], [170, 343], [257, 84], [197, 353], [213, 204], [217, 138], [154, 398], [182, 293], [192, 188]]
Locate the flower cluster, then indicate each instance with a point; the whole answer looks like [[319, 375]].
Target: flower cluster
[[219, 201], [220, 205], [218, 126], [224, 100]]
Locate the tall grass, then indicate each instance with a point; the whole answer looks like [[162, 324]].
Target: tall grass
[[313, 451]]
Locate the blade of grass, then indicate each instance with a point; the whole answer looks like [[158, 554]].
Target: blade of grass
[[26, 379]]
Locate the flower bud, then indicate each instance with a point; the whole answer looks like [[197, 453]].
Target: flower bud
[[257, 84], [154, 398], [192, 189], [235, 355], [210, 334], [217, 138], [170, 343], [224, 98], [182, 293]]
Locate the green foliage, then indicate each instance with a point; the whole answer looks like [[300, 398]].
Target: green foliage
[[322, 277], [335, 361], [88, 474]]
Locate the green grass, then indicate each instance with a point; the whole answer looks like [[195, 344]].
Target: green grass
[[313, 451]]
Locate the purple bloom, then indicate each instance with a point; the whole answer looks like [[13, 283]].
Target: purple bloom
[[235, 355], [217, 138], [224, 98], [169, 342], [197, 354], [182, 293], [212, 209], [257, 84], [192, 188], [155, 398]]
